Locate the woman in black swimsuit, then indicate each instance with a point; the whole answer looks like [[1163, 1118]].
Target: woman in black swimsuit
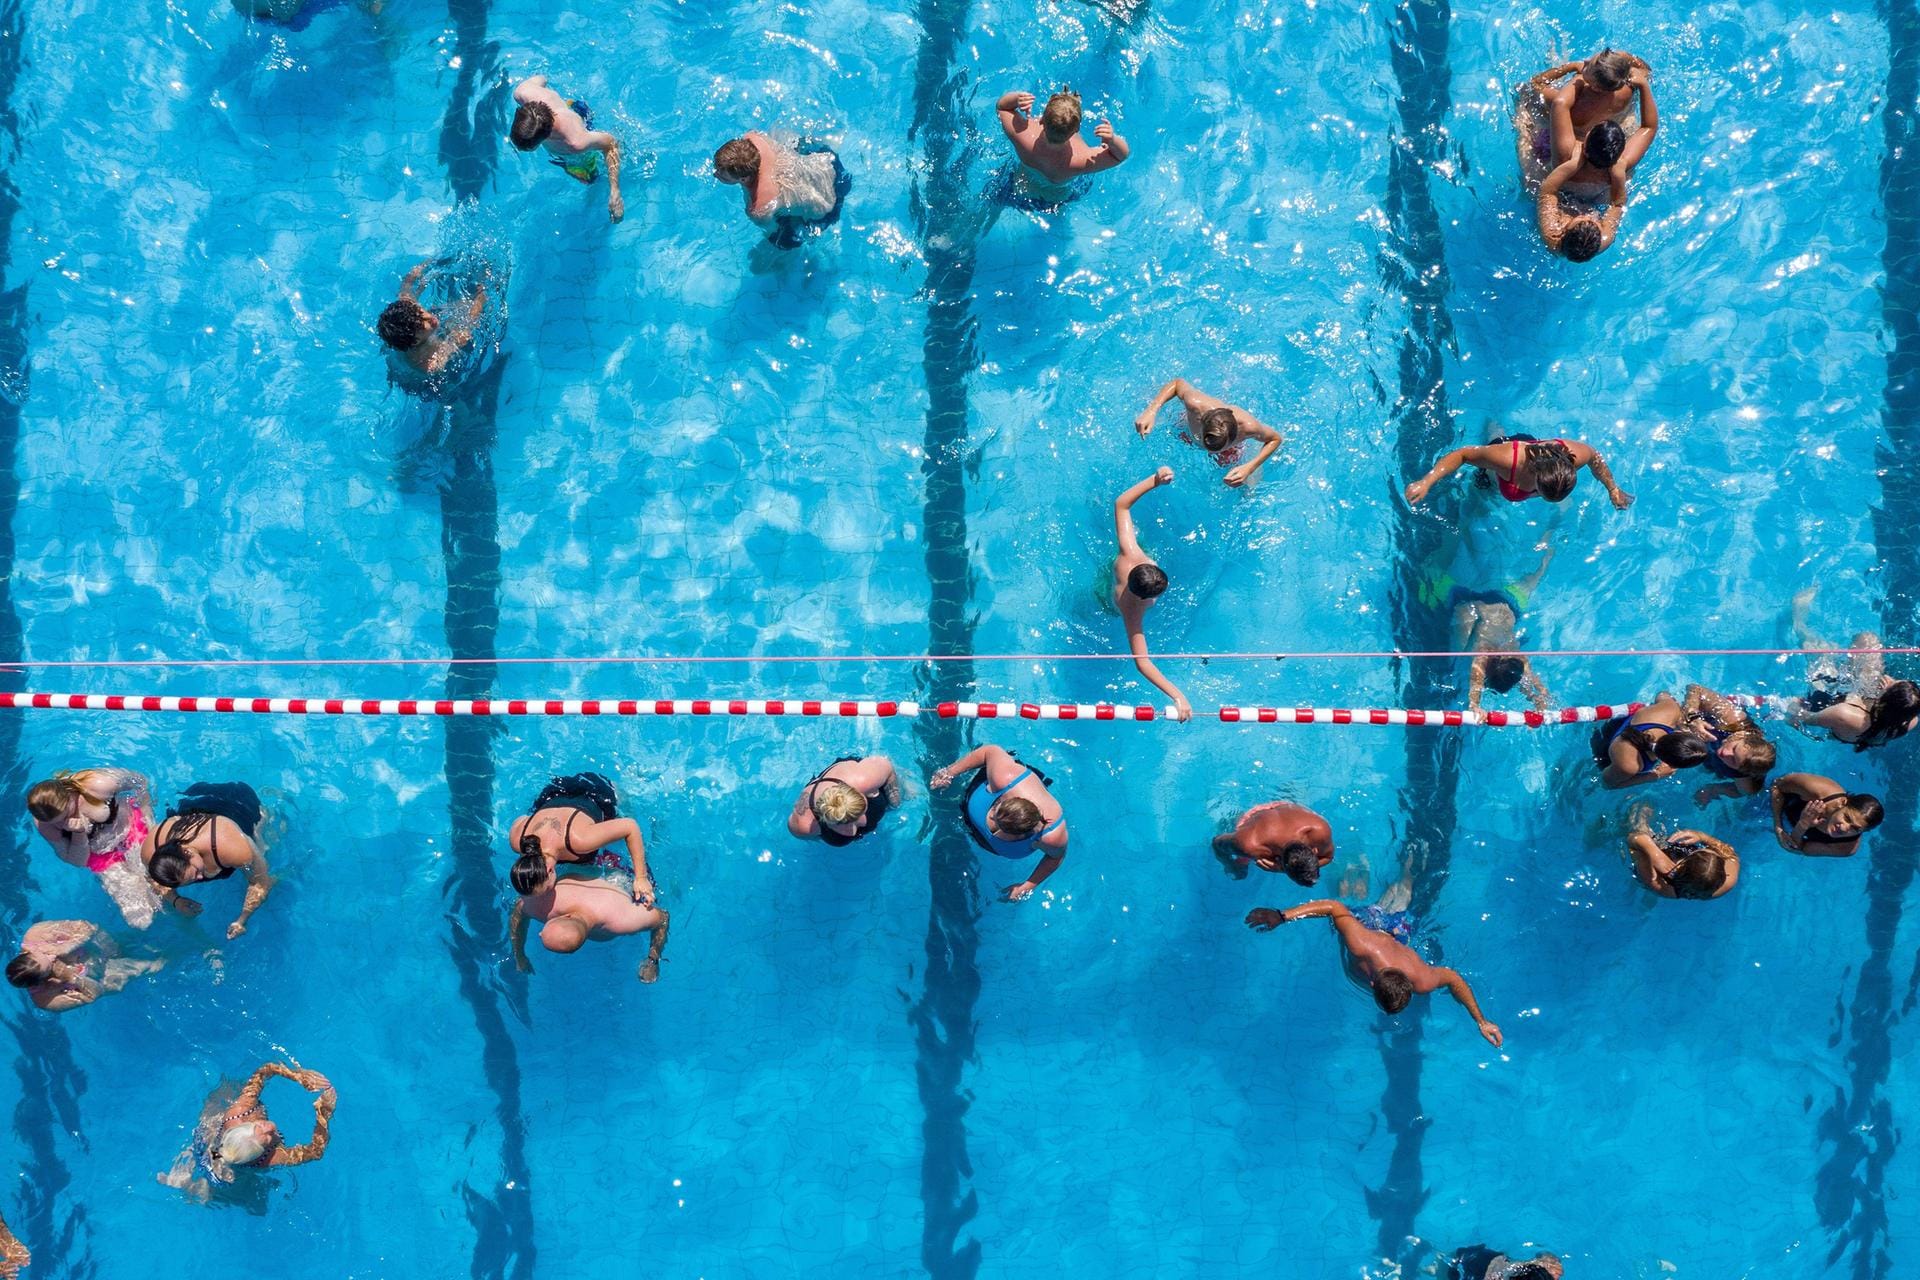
[[575, 820], [1816, 816], [845, 800], [212, 832]]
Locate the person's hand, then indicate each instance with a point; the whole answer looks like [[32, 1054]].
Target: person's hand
[[1182, 710], [1621, 499], [1020, 892], [616, 208], [1638, 77], [1265, 919], [942, 778], [1104, 131], [1703, 797], [1417, 492], [1238, 476], [1491, 1032], [1144, 422], [1023, 102], [185, 906], [1163, 476], [237, 928], [643, 891]]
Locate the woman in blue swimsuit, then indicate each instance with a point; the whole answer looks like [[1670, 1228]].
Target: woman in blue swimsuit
[[1646, 746], [1010, 813]]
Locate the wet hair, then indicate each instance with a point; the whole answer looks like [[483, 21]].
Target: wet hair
[[531, 125], [1761, 754], [1147, 581], [1610, 69], [1889, 715], [1605, 141], [49, 799], [1529, 1271], [170, 860], [1301, 863], [563, 934], [835, 801], [403, 325], [1699, 866], [1583, 240], [1061, 119], [1681, 749], [738, 160], [1018, 817], [1871, 811], [27, 971], [528, 873], [1504, 672], [1392, 990], [1217, 429], [1553, 471]]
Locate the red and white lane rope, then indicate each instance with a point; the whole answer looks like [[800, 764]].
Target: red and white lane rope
[[810, 707]]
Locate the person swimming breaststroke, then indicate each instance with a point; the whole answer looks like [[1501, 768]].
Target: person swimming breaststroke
[[415, 334], [1523, 467], [790, 192], [1137, 583], [1010, 812], [565, 128], [1215, 426]]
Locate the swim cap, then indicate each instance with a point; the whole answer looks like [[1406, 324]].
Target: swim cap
[[242, 1144]]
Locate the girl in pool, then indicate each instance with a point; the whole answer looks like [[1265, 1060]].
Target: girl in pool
[[212, 832], [1556, 118], [1647, 745], [1852, 699], [1816, 816], [1741, 755], [99, 819], [845, 801], [1009, 812], [234, 1132], [1217, 427], [1687, 864], [64, 964], [1523, 467]]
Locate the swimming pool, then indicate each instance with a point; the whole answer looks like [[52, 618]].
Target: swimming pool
[[905, 439]]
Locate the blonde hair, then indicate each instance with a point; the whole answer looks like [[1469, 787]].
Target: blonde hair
[[49, 799], [835, 801], [1061, 119], [1017, 816]]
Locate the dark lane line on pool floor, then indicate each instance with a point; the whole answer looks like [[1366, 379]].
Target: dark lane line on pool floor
[[943, 1016], [50, 1082], [1850, 1191], [502, 1218], [1413, 264]]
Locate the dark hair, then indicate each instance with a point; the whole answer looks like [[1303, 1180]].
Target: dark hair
[[1681, 749], [1699, 870], [1583, 240], [403, 324], [531, 125], [530, 846], [1217, 429], [1611, 69], [170, 860], [1504, 672], [26, 971], [1529, 1271], [1553, 471], [1301, 862], [1888, 717], [1871, 811], [1605, 141], [739, 160], [528, 874], [1392, 989], [1147, 581]]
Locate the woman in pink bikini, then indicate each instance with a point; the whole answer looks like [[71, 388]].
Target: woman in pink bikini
[[1524, 467], [98, 819]]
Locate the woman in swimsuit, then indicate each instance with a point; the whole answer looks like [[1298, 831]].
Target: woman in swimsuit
[[1009, 812], [64, 964], [1741, 755], [574, 821], [1523, 467], [99, 819], [1853, 700], [1646, 746], [1816, 816], [845, 801], [234, 1132], [211, 833], [1687, 864]]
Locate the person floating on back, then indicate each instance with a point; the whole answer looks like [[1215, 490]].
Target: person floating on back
[[417, 333], [1137, 583], [235, 1133], [1009, 812], [1217, 427], [1050, 148], [566, 129], [1278, 836], [790, 192]]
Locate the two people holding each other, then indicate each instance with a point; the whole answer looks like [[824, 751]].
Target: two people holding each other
[[564, 127], [1668, 735], [1216, 426], [573, 827], [234, 1133], [1580, 142]]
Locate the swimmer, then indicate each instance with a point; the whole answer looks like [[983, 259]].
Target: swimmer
[[1487, 624], [1277, 836], [414, 331], [1216, 426], [1602, 89], [1477, 1262], [1816, 816], [13, 1254], [788, 192], [64, 964], [566, 129], [1051, 147], [99, 819], [1573, 230], [1646, 746], [1852, 700], [1137, 583], [237, 1134], [1378, 954], [1686, 864], [551, 837], [1741, 754], [572, 911], [211, 833], [1524, 467], [845, 801], [1009, 812]]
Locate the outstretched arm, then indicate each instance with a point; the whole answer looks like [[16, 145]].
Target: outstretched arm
[[410, 285], [610, 147], [1457, 985], [1123, 531], [974, 759], [1178, 389], [1137, 640], [1598, 465], [1046, 867], [1544, 82], [1535, 687], [1418, 490], [259, 885]]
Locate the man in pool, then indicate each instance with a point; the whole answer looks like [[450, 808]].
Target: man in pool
[[1050, 146], [415, 332], [1377, 952], [1277, 836], [789, 193], [566, 129], [1137, 583], [573, 910], [1217, 427]]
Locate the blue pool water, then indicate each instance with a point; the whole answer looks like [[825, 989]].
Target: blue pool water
[[905, 439]]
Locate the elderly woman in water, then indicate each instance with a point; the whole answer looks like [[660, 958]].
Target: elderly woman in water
[[234, 1133], [845, 801]]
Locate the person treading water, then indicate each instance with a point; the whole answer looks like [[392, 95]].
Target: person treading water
[[212, 832], [1686, 864], [1217, 427], [1815, 815], [1741, 756], [1137, 583], [419, 336], [1052, 154], [1850, 695], [235, 1133], [1650, 744], [551, 835], [99, 819], [64, 964], [565, 129], [845, 801], [1277, 836], [790, 191], [1009, 812]]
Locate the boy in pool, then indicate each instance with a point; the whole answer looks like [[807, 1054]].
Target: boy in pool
[[1051, 147], [1137, 583], [1278, 836], [414, 331], [573, 911], [566, 130], [1216, 426], [789, 192]]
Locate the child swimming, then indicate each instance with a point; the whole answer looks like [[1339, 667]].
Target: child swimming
[[565, 128], [1217, 427]]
